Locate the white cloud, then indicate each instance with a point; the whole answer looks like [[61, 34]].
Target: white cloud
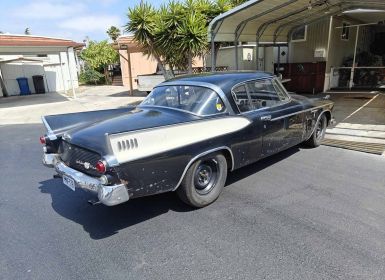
[[48, 10], [90, 23]]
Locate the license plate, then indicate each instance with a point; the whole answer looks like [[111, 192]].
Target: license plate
[[69, 182]]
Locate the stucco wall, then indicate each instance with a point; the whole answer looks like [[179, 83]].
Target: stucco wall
[[140, 65]]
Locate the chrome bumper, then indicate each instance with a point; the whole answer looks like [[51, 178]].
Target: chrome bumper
[[108, 195]]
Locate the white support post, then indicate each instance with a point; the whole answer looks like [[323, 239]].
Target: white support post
[[236, 55], [70, 72], [354, 60], [328, 77], [62, 74], [213, 62]]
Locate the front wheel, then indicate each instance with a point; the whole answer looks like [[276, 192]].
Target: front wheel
[[204, 181], [319, 132]]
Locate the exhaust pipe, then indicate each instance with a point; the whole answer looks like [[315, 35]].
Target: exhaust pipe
[[93, 202]]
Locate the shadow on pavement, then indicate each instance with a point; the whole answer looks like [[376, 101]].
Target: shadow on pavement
[[251, 169], [102, 221]]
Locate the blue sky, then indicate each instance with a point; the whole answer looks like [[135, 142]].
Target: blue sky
[[72, 19]]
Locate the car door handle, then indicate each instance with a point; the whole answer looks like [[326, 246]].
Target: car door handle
[[266, 118]]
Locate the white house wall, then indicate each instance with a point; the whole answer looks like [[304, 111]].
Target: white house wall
[[53, 73], [56, 75]]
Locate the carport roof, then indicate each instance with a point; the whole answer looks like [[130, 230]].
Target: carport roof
[[39, 41], [274, 20]]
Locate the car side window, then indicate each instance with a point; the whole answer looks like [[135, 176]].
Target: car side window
[[280, 90], [263, 93], [241, 98]]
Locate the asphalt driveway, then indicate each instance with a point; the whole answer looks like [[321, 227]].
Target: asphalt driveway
[[302, 214]]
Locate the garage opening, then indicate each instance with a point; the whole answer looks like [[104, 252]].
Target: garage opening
[[331, 44]]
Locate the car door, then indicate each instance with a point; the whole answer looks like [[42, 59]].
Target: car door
[[249, 147], [281, 120], [293, 115]]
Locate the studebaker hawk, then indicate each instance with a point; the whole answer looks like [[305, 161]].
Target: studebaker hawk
[[186, 135]]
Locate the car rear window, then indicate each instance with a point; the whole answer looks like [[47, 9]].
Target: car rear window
[[194, 99]]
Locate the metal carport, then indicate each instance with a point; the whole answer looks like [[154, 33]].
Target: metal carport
[[275, 20]]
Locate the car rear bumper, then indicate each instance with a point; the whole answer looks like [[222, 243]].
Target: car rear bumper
[[108, 194]]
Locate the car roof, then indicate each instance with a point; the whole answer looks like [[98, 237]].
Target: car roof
[[224, 80]]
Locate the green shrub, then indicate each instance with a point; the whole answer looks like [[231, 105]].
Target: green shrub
[[90, 76]]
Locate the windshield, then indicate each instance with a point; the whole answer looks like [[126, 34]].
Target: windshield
[[194, 99]]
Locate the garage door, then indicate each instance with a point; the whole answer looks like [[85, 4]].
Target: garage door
[[12, 71]]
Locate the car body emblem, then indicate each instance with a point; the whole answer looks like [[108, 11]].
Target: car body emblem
[[86, 164]]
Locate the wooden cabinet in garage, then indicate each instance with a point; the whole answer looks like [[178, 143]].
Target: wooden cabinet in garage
[[304, 77]]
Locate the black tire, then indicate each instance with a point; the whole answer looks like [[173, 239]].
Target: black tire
[[319, 132], [204, 181]]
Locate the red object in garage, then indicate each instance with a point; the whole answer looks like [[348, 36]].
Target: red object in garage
[[304, 77]]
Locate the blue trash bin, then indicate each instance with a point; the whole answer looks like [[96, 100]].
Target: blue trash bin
[[23, 85]]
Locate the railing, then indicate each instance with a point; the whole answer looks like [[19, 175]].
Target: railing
[[363, 77], [208, 69]]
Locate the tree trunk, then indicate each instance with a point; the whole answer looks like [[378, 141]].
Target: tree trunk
[[161, 66], [106, 75], [190, 60], [217, 47]]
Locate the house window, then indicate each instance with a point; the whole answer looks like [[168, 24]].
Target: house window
[[345, 31], [299, 34]]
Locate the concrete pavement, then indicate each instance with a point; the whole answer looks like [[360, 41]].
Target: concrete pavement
[[360, 118], [302, 214], [29, 109]]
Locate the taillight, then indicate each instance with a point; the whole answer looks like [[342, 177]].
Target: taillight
[[101, 166], [43, 140]]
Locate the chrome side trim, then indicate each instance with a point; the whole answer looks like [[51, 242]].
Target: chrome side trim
[[51, 135], [303, 111], [201, 155], [184, 111]]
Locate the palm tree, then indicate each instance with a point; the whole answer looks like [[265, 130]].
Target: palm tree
[[166, 34], [176, 32], [192, 37], [142, 24], [113, 32], [27, 31]]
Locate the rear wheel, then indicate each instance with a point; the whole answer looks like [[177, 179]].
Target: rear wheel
[[319, 132], [204, 181]]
